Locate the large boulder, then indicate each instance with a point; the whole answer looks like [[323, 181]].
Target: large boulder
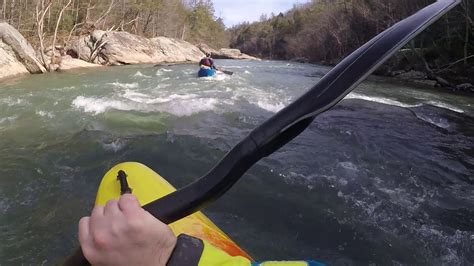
[[67, 63], [9, 63], [207, 49], [119, 48], [123, 48], [16, 54], [227, 53], [80, 48], [176, 50]]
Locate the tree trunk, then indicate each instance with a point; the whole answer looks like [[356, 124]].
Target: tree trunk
[[4, 9], [12, 12], [183, 32], [41, 11], [19, 15], [53, 61]]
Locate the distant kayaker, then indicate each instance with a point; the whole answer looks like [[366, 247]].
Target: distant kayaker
[[207, 62], [207, 68], [123, 233]]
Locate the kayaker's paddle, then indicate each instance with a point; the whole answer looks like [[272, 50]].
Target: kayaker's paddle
[[226, 72], [291, 121]]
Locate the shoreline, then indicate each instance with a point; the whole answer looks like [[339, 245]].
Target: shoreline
[[372, 78], [415, 83]]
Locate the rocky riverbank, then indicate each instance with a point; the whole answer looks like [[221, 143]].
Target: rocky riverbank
[[100, 48]]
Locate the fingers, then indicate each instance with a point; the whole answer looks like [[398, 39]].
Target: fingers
[[129, 204], [84, 234], [85, 238], [112, 208], [98, 211]]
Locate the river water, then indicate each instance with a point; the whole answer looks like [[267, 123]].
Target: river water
[[385, 177]]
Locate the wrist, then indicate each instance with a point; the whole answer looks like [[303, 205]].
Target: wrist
[[166, 251]]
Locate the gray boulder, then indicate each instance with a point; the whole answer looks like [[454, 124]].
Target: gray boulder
[[207, 49], [123, 48], [175, 50], [10, 65], [465, 87], [68, 63], [16, 54], [226, 53]]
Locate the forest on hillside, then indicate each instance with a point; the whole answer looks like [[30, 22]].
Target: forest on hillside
[[190, 20], [324, 31]]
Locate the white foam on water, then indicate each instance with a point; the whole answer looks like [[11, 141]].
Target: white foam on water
[[124, 85], [216, 77], [164, 79], [9, 101], [175, 104], [8, 119], [271, 107], [167, 70], [140, 75], [382, 100], [98, 106], [67, 88], [247, 72], [147, 99], [131, 93], [45, 114], [442, 123], [188, 107], [445, 106], [349, 166], [114, 146]]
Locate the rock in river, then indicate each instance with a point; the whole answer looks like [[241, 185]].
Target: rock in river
[[16, 54]]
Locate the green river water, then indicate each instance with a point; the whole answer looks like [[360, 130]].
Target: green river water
[[386, 177]]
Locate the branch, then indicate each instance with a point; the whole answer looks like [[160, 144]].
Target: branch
[[454, 63], [106, 13], [41, 11], [72, 30], [56, 29]]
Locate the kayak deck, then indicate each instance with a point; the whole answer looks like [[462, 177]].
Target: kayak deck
[[149, 186]]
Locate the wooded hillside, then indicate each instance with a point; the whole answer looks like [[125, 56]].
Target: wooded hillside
[[325, 31], [190, 20]]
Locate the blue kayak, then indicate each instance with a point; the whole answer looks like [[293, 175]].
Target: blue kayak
[[206, 72]]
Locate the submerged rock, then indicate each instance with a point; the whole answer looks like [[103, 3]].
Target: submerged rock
[[16, 54]]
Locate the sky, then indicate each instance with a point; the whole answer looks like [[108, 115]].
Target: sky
[[237, 11]]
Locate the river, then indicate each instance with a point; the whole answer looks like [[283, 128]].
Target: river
[[385, 177]]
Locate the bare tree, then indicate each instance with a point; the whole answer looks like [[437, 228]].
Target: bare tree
[[103, 17], [4, 9], [58, 21], [42, 7]]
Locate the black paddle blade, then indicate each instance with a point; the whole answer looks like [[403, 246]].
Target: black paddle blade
[[227, 72]]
